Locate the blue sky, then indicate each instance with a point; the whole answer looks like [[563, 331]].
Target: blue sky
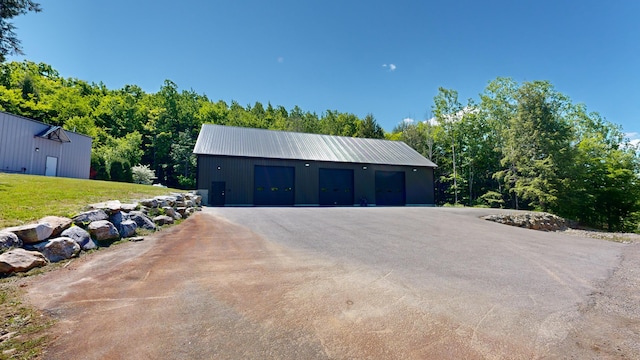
[[387, 58]]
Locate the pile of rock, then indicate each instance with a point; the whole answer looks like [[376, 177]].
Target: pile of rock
[[531, 220], [55, 238]]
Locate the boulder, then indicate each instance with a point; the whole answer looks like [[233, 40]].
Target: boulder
[[87, 217], [59, 249], [9, 240], [182, 211], [103, 230], [142, 220], [58, 223], [32, 233], [127, 228], [197, 199], [109, 207], [129, 207], [165, 200], [20, 260], [178, 196], [117, 218], [150, 203], [169, 211], [80, 236], [163, 220]]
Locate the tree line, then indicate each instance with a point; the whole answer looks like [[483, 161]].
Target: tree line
[[130, 126], [528, 146]]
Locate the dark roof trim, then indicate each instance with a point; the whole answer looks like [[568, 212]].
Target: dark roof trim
[[55, 133]]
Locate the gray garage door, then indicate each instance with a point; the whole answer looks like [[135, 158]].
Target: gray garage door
[[336, 187], [390, 188], [273, 185]]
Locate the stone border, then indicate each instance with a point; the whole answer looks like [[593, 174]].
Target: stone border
[[55, 238], [531, 220]]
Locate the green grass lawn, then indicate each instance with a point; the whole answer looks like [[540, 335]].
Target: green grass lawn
[[27, 198]]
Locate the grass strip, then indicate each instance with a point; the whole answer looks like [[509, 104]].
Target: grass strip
[[27, 198]]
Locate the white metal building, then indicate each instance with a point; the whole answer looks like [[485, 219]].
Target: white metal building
[[32, 147]]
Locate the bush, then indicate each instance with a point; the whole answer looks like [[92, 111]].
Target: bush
[[142, 174], [99, 167], [186, 182], [492, 199], [121, 171], [128, 175]]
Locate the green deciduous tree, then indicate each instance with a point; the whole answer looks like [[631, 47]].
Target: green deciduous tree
[[184, 160], [537, 149], [603, 189], [448, 112]]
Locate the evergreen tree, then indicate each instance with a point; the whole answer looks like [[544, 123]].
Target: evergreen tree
[[9, 43]]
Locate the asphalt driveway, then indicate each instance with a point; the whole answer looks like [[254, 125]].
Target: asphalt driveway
[[345, 283], [490, 280]]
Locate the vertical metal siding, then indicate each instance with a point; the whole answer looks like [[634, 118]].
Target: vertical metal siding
[[238, 173], [75, 157], [18, 143], [18, 149]]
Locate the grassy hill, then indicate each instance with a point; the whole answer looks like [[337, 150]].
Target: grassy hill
[[27, 198]]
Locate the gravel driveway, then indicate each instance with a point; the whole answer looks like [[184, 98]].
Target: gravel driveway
[[345, 283]]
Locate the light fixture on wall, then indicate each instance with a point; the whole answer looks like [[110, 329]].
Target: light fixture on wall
[[364, 168], [414, 169], [306, 164], [37, 149], [219, 168]]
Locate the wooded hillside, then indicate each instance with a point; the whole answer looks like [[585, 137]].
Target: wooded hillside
[[130, 126]]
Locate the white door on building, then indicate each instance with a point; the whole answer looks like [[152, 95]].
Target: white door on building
[[51, 168]]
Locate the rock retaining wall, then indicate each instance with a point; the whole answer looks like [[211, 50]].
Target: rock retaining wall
[[531, 220], [54, 238]]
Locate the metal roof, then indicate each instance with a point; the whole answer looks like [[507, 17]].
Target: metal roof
[[55, 133], [250, 142]]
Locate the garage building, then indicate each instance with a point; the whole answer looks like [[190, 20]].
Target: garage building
[[246, 166], [32, 147]]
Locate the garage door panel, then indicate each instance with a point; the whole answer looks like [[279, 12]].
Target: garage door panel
[[390, 188], [336, 186], [274, 185]]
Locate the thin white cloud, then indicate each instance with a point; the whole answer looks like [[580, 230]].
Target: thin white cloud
[[408, 120], [392, 67], [633, 137], [433, 121], [280, 59]]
